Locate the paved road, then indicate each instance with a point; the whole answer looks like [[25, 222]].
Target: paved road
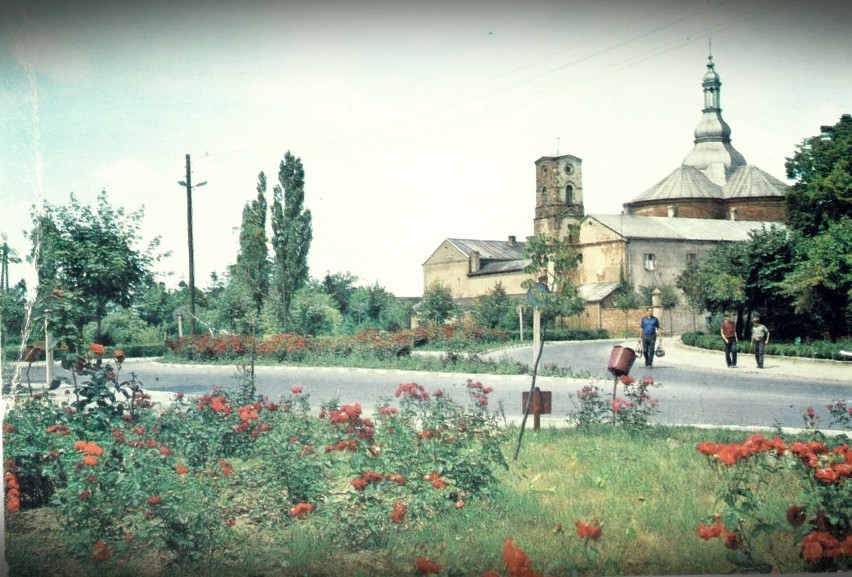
[[692, 389]]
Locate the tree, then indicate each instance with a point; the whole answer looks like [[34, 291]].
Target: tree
[[437, 305], [716, 282], [91, 256], [340, 287], [292, 231], [822, 168], [252, 268], [820, 283], [495, 309], [314, 312], [552, 264]]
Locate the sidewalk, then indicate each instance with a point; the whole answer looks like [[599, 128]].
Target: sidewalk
[[679, 354]]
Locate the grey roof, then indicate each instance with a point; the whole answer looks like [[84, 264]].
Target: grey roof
[[490, 249], [502, 266], [596, 292], [750, 181], [687, 182], [676, 228]]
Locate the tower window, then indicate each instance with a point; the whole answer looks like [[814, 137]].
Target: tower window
[[569, 195], [544, 193], [650, 262]]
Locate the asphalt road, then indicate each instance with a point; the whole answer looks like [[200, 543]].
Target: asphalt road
[[692, 387]]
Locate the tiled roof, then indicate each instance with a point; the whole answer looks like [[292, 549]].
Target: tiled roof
[[676, 228]]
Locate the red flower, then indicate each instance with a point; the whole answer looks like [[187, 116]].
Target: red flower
[[165, 451], [227, 468], [90, 460], [97, 349], [397, 515], [795, 515], [181, 469], [58, 429], [517, 562], [84, 495], [296, 390], [119, 356], [101, 552], [301, 510], [359, 483], [423, 566], [155, 500], [230, 522], [590, 530], [708, 532]]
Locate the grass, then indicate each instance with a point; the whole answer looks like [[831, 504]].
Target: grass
[[648, 490]]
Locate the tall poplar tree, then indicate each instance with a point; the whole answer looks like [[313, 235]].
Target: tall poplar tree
[[252, 268], [292, 232]]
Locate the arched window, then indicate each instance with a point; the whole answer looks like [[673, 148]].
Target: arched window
[[544, 193], [569, 195]]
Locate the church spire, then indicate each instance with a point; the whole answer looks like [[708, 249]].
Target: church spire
[[713, 153]]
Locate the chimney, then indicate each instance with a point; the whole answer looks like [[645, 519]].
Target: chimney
[[512, 240], [474, 261], [671, 211], [733, 213]]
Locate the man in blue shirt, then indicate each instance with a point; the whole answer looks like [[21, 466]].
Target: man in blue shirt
[[650, 330]]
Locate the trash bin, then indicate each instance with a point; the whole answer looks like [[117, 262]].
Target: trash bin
[[620, 360]]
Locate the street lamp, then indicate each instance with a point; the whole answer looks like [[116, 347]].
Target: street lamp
[[188, 185]]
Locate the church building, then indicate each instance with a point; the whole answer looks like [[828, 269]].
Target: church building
[[713, 196]]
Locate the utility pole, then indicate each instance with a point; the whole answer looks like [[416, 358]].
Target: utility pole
[[188, 184]]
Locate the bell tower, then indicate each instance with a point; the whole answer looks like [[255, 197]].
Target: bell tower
[[558, 196]]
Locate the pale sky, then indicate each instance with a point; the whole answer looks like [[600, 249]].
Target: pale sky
[[415, 121]]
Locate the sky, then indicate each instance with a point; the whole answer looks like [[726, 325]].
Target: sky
[[414, 121]]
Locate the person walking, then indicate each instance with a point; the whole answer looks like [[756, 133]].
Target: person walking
[[648, 333], [759, 339], [728, 330]]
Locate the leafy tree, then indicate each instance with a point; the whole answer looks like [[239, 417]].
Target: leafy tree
[[626, 299], [13, 311], [91, 255], [822, 168], [716, 282], [340, 287], [437, 305], [314, 312], [820, 283], [495, 309], [292, 231], [252, 268], [552, 264]]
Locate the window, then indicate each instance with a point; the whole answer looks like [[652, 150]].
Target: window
[[650, 262], [691, 257], [544, 193], [569, 195]]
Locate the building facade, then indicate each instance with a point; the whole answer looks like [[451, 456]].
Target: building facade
[[714, 196]]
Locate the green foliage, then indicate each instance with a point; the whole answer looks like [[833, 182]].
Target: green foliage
[[91, 254], [437, 305], [820, 283], [13, 310], [815, 349], [818, 522], [634, 411], [822, 168], [552, 262], [495, 310], [124, 327], [292, 232], [181, 480], [313, 312], [252, 267]]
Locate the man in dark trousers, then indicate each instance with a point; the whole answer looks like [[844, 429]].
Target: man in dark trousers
[[648, 333], [728, 330], [759, 339]]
